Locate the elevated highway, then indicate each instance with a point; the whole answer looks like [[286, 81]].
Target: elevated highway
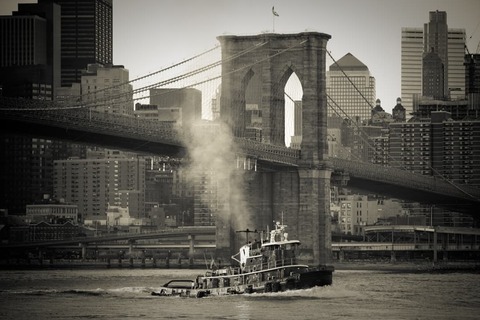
[[184, 233]]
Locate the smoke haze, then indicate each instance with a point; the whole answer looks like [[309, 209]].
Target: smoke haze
[[213, 169]]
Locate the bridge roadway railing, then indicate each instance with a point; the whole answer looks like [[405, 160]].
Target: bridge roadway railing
[[90, 120], [35, 111], [267, 152], [404, 178], [362, 170]]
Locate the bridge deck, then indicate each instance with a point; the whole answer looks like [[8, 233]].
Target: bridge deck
[[164, 134]]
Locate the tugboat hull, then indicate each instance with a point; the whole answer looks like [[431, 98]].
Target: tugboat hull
[[265, 266], [265, 281]]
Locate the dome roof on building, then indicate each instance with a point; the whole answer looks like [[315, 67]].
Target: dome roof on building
[[378, 106], [399, 106]]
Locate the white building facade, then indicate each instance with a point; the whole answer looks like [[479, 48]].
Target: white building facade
[[344, 99]]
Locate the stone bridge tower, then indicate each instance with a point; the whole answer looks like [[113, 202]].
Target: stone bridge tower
[[273, 58]]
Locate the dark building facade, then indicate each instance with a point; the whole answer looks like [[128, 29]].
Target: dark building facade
[[472, 81], [436, 42], [26, 168], [87, 36], [30, 51], [433, 76], [43, 46]]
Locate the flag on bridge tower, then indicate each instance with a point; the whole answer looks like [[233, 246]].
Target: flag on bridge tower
[[274, 12]]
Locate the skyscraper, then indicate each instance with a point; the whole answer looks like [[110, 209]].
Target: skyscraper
[[29, 68], [412, 51], [472, 80], [42, 46], [435, 51], [357, 104], [433, 76], [447, 44], [30, 51], [87, 36]]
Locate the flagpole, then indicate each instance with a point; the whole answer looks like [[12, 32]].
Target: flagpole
[[274, 14]]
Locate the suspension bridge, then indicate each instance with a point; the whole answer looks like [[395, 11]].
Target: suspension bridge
[[154, 137], [250, 66]]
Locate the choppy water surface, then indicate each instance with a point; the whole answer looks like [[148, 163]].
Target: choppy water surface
[[125, 294]]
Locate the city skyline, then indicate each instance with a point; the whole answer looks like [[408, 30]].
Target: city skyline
[[173, 39]]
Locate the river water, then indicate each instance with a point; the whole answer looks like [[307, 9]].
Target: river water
[[125, 294]]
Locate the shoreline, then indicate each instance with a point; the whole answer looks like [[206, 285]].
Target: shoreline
[[358, 265], [408, 266]]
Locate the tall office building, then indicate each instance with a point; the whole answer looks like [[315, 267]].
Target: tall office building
[[40, 44], [30, 51], [435, 54], [447, 44], [433, 76], [343, 95], [87, 36], [472, 81], [412, 52]]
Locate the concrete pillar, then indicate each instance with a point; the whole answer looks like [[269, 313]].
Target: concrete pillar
[[84, 251], [191, 249], [341, 255], [130, 246], [393, 257], [143, 258], [167, 259], [435, 253]]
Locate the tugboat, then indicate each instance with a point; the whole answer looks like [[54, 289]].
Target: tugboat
[[264, 266]]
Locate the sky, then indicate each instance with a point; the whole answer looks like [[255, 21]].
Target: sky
[[151, 34]]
